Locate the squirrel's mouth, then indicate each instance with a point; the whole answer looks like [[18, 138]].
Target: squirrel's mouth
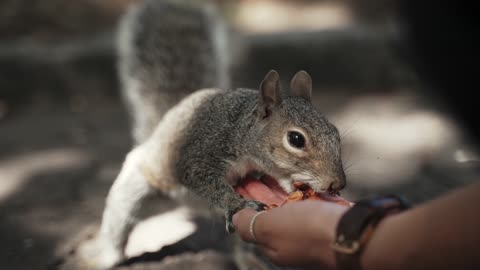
[[266, 189], [261, 187]]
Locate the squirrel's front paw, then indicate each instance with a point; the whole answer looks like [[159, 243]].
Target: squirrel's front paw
[[254, 205]]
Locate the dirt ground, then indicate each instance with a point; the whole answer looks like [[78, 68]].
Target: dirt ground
[[64, 134]]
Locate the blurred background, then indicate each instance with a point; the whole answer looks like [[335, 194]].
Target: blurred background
[[64, 130]]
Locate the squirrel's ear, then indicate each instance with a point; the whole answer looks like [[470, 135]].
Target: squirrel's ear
[[301, 85], [269, 93]]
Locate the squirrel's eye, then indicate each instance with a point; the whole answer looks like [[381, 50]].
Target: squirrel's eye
[[296, 139]]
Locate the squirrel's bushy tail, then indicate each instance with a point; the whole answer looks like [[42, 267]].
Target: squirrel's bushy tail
[[166, 51]]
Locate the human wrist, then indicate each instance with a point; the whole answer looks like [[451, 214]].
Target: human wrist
[[391, 247], [357, 226], [375, 254]]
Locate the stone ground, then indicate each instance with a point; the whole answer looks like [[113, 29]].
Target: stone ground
[[64, 133]]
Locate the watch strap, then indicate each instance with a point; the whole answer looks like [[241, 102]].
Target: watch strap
[[357, 226]]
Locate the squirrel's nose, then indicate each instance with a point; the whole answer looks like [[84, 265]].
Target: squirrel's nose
[[336, 186]]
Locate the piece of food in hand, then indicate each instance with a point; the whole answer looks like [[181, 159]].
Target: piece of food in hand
[[267, 190], [305, 192]]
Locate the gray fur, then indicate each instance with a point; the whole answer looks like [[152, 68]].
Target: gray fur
[[229, 127], [166, 51]]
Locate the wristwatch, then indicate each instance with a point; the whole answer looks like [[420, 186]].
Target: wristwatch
[[357, 225]]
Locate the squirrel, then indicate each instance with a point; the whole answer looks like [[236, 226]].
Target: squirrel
[[192, 133]]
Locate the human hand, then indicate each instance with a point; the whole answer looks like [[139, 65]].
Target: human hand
[[295, 234]]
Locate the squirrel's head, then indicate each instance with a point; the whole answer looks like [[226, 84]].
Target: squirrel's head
[[297, 140]]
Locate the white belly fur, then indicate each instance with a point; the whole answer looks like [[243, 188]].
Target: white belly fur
[[160, 151]]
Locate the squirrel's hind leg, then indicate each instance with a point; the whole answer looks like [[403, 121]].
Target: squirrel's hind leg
[[122, 211]]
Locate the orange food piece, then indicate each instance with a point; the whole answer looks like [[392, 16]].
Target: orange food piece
[[296, 196], [305, 192]]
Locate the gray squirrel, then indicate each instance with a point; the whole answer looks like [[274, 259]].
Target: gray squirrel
[[207, 140]]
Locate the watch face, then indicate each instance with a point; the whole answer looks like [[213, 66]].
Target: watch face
[[389, 202]]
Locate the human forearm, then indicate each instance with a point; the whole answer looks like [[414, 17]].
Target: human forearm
[[443, 233]]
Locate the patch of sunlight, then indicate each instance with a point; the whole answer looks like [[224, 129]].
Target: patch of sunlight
[[388, 139], [158, 231], [276, 16], [463, 155], [15, 171]]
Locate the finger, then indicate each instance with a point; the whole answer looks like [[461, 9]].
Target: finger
[[241, 221]]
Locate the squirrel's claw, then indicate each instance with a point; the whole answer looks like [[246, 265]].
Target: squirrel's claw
[[254, 205], [229, 226]]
